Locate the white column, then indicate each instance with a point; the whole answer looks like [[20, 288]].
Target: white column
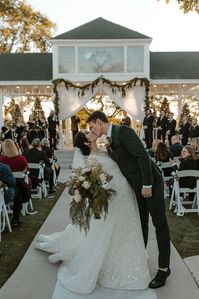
[[1, 110]]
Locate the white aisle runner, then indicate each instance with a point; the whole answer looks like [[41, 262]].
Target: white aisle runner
[[104, 293]]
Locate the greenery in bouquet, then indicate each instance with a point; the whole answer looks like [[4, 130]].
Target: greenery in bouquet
[[90, 194]]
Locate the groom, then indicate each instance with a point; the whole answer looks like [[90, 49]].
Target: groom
[[145, 178]]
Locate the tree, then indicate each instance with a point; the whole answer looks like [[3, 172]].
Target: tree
[[22, 28], [185, 112], [187, 5], [165, 105]]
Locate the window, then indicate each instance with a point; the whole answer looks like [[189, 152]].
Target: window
[[135, 59], [66, 59], [100, 59]]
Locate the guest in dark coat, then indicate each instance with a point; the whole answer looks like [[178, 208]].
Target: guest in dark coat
[[162, 126], [75, 120], [188, 161], [148, 128], [171, 127], [50, 154], [23, 143], [31, 128], [163, 154], [6, 131], [36, 155], [176, 147], [126, 121], [7, 179], [194, 129], [52, 129], [184, 130]]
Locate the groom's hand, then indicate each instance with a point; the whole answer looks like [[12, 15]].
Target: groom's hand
[[146, 192]]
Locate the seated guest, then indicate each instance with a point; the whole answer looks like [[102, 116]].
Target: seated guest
[[10, 156], [20, 126], [36, 155], [187, 161], [23, 143], [152, 150], [194, 129], [163, 154], [45, 145], [7, 179], [6, 131], [176, 146]]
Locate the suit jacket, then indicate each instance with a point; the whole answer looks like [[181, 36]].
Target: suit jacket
[[48, 151], [34, 155], [132, 158], [171, 126], [52, 123], [188, 164], [194, 131], [148, 121], [184, 129], [162, 123]]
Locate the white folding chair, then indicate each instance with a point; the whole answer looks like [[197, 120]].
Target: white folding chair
[[163, 166], [180, 194], [54, 172], [41, 188], [4, 214], [24, 211]]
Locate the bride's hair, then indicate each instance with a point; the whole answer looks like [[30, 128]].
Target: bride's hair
[[80, 140]]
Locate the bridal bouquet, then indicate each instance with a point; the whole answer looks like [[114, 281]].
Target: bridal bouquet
[[90, 195]]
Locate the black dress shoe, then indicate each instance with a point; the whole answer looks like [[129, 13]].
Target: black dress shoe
[[51, 190], [15, 223], [160, 279]]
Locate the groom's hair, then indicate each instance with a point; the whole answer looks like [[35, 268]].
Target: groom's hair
[[97, 115]]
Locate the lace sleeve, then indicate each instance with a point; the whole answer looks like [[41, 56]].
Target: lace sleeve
[[92, 161]]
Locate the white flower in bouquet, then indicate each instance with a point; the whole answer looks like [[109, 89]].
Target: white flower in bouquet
[[77, 196], [87, 202], [86, 185], [103, 178], [81, 178], [84, 170]]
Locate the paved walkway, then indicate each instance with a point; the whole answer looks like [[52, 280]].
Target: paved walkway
[[35, 278]]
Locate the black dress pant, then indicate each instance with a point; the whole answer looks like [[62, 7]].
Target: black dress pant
[[156, 207], [161, 134], [148, 137], [52, 140]]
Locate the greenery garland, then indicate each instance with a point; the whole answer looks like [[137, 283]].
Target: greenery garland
[[115, 87]]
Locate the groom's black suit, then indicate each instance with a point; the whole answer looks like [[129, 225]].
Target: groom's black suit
[[129, 153]]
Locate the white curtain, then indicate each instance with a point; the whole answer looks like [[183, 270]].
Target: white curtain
[[70, 102]]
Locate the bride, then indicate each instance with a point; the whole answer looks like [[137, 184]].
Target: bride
[[112, 253]]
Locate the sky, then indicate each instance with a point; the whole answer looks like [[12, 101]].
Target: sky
[[170, 29]]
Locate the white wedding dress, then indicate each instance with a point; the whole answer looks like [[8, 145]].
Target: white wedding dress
[[112, 254]]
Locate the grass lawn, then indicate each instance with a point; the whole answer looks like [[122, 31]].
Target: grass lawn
[[14, 245], [184, 232]]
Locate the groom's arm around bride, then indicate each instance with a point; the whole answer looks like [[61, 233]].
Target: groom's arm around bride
[[145, 178]]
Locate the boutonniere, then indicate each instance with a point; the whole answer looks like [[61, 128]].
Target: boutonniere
[[108, 143]]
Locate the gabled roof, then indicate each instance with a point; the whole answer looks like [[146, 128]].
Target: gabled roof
[[101, 29], [26, 67], [174, 65]]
